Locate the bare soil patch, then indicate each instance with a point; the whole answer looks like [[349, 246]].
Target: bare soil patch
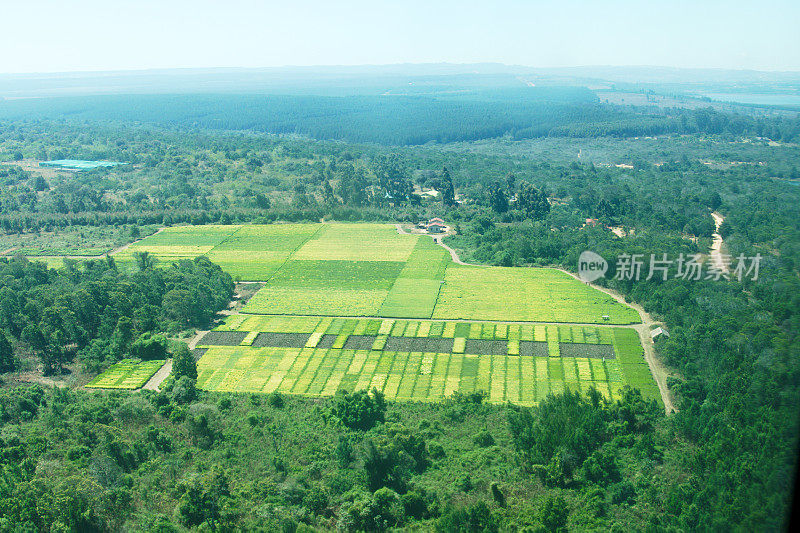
[[486, 347], [419, 344], [222, 338], [579, 349], [281, 340], [533, 349]]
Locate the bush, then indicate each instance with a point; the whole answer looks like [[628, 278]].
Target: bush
[[360, 410], [477, 517], [623, 493], [183, 391], [183, 363], [276, 400], [483, 439], [149, 347]]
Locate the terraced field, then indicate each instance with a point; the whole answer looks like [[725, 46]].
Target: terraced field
[[424, 360]]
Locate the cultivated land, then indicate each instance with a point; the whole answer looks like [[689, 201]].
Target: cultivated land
[[127, 374], [371, 270], [424, 360], [354, 306]]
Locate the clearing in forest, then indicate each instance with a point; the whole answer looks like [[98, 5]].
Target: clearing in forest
[[371, 270], [127, 374], [360, 306], [424, 360]]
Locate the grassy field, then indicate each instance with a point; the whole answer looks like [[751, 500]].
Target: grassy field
[[127, 374], [402, 359]]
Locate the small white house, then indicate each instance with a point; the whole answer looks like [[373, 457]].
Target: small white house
[[658, 333]]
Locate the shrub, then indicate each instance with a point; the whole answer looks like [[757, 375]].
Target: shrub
[[360, 410], [483, 439]]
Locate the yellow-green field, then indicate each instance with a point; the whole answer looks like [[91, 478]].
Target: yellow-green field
[[430, 327], [127, 374], [372, 270], [417, 371]]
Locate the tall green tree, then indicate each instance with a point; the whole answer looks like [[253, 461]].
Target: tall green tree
[[183, 363], [498, 199], [448, 192], [6, 354], [532, 202]]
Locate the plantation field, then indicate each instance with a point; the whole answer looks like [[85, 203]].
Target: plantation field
[[424, 360], [525, 294], [126, 374], [372, 270]]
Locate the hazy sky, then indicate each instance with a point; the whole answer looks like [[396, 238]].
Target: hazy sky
[[59, 35]]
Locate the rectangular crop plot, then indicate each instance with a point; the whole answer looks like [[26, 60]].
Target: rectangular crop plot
[[419, 344], [128, 374], [576, 349], [533, 349], [525, 294], [358, 242], [411, 298], [281, 340], [486, 347], [222, 338], [280, 300], [338, 274]]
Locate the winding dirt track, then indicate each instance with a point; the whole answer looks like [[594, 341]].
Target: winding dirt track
[[659, 371], [716, 245], [155, 382]]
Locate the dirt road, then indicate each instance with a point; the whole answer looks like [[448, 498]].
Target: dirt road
[[155, 382], [716, 245], [657, 368], [438, 240]]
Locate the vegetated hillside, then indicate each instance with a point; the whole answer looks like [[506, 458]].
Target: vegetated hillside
[[185, 457], [400, 119]]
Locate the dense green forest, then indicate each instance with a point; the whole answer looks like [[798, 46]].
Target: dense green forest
[[182, 458], [407, 120]]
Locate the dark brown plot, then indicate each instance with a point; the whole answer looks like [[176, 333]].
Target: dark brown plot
[[222, 338], [281, 340], [326, 341], [419, 344], [359, 342], [579, 349], [486, 347], [533, 349]]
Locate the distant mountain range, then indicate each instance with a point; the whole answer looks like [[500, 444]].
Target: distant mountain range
[[400, 79]]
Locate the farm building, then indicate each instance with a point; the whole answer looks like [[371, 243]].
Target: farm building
[[436, 225], [76, 165], [658, 333]]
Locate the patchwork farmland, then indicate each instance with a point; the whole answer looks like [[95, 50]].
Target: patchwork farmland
[[420, 360], [355, 306]]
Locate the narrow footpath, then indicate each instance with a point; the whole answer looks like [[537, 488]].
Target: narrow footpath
[[154, 383]]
